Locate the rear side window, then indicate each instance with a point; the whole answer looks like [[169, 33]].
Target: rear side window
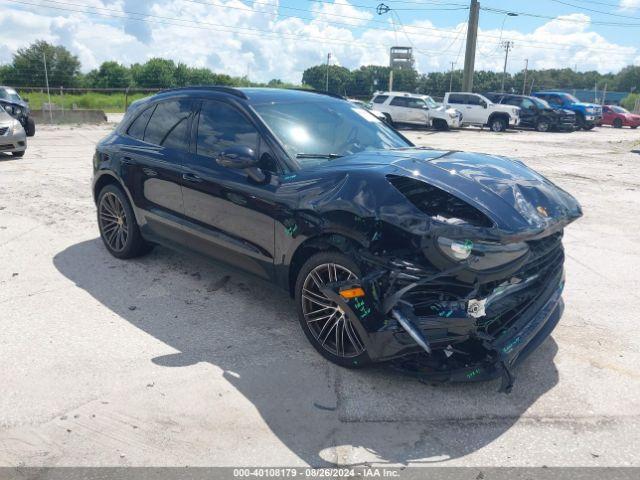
[[515, 101], [168, 125], [458, 99], [138, 126], [399, 102], [380, 98], [221, 126]]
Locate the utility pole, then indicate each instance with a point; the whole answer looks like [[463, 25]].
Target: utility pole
[[451, 77], [391, 80], [46, 78], [508, 44], [326, 84], [470, 52], [524, 82]]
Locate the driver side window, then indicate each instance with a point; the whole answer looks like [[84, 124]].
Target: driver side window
[[221, 126]]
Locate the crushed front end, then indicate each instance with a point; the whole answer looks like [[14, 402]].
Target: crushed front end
[[461, 298]]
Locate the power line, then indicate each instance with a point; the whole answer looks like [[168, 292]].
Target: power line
[[560, 18], [595, 11]]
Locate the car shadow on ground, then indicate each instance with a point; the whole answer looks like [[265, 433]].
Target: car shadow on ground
[[248, 329]]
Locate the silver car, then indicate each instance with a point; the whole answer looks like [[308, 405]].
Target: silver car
[[13, 138]]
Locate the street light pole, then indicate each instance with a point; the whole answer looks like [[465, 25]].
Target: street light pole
[[507, 46], [470, 52], [326, 85], [451, 77], [46, 78]]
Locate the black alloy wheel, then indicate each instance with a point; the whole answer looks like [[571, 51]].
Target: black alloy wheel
[[117, 223], [327, 326]]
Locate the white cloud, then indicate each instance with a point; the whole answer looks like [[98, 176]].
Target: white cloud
[[629, 4], [263, 40]]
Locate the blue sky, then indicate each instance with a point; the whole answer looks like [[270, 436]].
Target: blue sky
[[280, 38]]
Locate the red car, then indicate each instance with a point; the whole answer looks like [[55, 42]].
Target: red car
[[619, 117]]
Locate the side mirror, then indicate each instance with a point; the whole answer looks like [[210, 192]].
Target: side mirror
[[238, 157], [242, 157], [25, 99], [483, 103]]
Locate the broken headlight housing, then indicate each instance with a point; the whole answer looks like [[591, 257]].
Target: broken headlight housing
[[482, 256]]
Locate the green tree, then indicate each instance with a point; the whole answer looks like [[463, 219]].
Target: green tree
[[628, 79], [109, 75], [63, 68], [155, 73], [339, 78]]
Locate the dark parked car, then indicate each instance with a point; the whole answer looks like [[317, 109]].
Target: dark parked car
[[537, 113], [450, 264], [18, 108]]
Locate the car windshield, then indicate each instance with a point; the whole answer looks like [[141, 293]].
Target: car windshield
[[317, 131], [430, 102], [619, 110], [571, 98], [9, 94], [540, 103]]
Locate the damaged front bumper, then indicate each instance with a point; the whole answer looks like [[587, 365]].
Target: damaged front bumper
[[445, 327]]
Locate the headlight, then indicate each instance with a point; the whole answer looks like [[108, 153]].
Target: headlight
[[453, 114], [482, 255], [590, 110]]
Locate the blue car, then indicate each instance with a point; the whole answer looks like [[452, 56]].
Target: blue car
[[588, 115]]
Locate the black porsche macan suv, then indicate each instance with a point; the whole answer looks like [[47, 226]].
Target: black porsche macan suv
[[448, 264]]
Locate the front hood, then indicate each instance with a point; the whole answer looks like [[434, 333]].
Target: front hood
[[586, 105], [562, 111], [518, 200]]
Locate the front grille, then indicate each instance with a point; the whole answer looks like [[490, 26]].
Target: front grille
[[3, 130], [547, 258], [7, 146]]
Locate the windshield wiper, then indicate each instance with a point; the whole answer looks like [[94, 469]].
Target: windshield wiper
[[318, 155]]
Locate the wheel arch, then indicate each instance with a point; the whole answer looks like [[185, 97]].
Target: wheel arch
[[324, 242]]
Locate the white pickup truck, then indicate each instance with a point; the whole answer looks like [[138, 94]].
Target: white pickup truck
[[415, 109], [479, 110]]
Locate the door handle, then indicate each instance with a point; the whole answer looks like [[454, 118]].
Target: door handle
[[149, 172], [127, 160], [191, 177]]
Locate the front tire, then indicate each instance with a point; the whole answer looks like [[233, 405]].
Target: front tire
[[117, 223], [327, 327], [498, 124], [30, 128], [440, 124], [543, 126], [18, 154], [389, 120]]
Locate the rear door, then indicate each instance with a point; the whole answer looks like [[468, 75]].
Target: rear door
[[417, 110], [231, 216], [152, 161]]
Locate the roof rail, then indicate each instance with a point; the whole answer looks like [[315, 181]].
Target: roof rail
[[217, 88], [319, 92]]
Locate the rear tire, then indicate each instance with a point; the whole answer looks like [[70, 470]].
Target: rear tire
[[634, 127], [118, 227], [328, 329], [617, 123], [498, 124]]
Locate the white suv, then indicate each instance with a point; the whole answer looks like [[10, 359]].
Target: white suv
[[479, 110], [411, 108]]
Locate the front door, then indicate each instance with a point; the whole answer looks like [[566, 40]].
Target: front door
[[231, 215]]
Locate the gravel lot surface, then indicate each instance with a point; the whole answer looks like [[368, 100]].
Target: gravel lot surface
[[171, 360]]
